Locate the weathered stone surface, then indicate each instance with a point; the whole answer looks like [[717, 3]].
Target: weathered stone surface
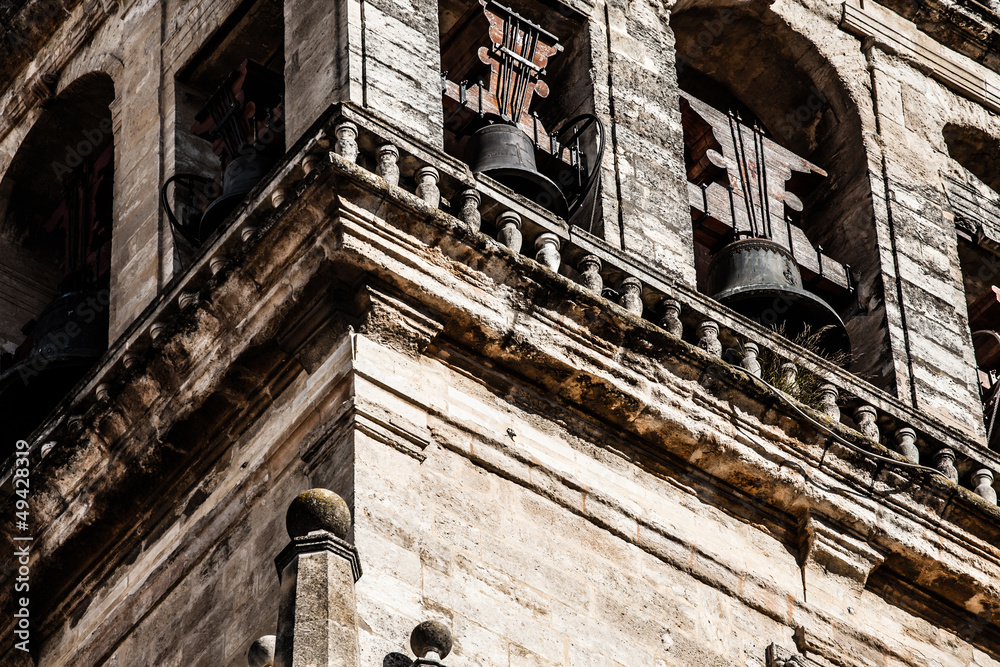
[[558, 481], [318, 509]]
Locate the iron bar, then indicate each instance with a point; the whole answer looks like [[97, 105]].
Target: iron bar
[[788, 230], [732, 211], [734, 127], [765, 201]]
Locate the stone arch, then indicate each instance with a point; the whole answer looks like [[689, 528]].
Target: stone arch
[[747, 58], [972, 188], [56, 220], [975, 150]]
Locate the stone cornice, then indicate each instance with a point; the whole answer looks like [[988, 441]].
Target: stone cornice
[[896, 34], [316, 541], [629, 377]]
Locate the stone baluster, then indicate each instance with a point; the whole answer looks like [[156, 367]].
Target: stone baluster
[[906, 444], [387, 156], [509, 230], [828, 397], [547, 251], [347, 141], [261, 652], [944, 461], [431, 641], [631, 296], [310, 162], [468, 209], [156, 331], [671, 320], [217, 264], [278, 197], [982, 480], [590, 273], [750, 362], [708, 337], [789, 374], [185, 299], [131, 358], [865, 416], [427, 185], [317, 608]]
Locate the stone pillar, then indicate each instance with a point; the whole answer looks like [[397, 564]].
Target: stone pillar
[[322, 60], [317, 613]]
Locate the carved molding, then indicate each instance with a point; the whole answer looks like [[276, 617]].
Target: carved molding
[[830, 546], [52, 58], [960, 73]]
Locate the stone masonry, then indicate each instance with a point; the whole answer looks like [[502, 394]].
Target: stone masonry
[[524, 440]]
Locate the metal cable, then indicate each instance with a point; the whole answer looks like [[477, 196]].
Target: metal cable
[[837, 438]]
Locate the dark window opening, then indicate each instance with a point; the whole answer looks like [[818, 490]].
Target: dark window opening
[[55, 233], [971, 189], [818, 185], [229, 123]]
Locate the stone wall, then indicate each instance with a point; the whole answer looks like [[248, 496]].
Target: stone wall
[[556, 479], [519, 528]]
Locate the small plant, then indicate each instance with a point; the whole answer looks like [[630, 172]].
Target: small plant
[[806, 385]]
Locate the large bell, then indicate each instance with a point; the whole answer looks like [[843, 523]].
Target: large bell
[[69, 336], [505, 153], [242, 173], [759, 278]]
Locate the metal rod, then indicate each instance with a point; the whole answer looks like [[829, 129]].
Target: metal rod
[[766, 201], [788, 230], [760, 184], [704, 205], [741, 170], [747, 192], [732, 211]]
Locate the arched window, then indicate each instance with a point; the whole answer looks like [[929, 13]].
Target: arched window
[[972, 187], [765, 116], [55, 251]]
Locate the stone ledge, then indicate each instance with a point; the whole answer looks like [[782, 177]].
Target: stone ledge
[[319, 540], [414, 242]]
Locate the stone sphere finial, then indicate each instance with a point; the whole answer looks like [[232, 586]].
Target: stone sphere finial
[[431, 637], [318, 509], [261, 653]]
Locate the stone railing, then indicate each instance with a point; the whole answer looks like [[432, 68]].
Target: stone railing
[[485, 206]]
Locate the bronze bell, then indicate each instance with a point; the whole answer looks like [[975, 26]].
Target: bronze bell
[[759, 278], [505, 153], [242, 173]]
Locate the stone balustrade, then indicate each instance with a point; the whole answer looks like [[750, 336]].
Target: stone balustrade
[[483, 206], [626, 280]]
